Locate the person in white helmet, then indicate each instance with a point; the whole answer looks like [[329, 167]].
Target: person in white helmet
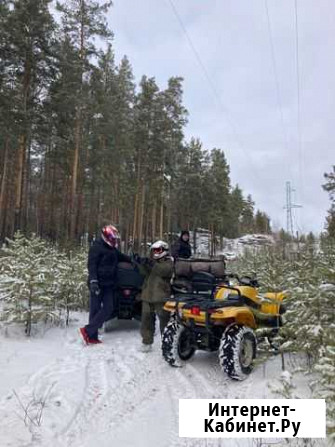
[[156, 291]]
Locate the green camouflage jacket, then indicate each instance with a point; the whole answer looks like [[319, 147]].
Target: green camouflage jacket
[[157, 287]]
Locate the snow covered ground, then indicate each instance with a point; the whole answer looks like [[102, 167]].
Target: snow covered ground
[[55, 392]]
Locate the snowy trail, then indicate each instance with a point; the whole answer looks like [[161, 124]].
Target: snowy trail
[[112, 394]]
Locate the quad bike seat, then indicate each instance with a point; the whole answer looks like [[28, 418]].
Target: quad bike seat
[[203, 282], [181, 285], [128, 275], [206, 303], [185, 297], [199, 282]]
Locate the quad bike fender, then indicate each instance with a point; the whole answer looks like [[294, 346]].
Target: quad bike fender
[[237, 315], [272, 302], [170, 306], [279, 296]]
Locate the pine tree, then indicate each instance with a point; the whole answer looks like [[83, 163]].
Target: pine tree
[[247, 223], [310, 318], [70, 283], [262, 223], [191, 206], [236, 206], [27, 43], [174, 118], [123, 132], [79, 148], [60, 112], [149, 160], [82, 20], [218, 186], [325, 387], [329, 186], [6, 113], [25, 282]]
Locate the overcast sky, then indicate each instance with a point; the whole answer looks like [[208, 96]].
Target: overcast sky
[[235, 104]]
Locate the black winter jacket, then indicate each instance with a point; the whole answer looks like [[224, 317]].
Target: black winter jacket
[[102, 263], [181, 249]]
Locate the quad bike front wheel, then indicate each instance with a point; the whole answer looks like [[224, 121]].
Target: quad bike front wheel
[[177, 344], [237, 351]]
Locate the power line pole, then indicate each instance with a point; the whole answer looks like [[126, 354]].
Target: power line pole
[[289, 206]]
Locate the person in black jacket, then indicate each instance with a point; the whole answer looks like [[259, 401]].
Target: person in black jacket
[[182, 248], [103, 258]]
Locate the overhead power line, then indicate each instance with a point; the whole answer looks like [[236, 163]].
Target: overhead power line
[[211, 83], [300, 152], [275, 72]]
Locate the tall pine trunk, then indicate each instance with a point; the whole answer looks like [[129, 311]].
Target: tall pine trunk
[[74, 180], [141, 216], [153, 221], [3, 196], [22, 144], [136, 204], [77, 132], [19, 181], [161, 216]]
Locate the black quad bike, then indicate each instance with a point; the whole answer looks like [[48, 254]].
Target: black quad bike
[[127, 304]]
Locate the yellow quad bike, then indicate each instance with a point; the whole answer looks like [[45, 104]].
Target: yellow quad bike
[[220, 314]]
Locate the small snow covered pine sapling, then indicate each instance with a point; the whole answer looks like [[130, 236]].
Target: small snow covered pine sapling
[[71, 282], [285, 387], [25, 281]]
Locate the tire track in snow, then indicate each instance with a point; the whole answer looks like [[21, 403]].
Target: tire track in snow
[[123, 407], [78, 407], [118, 386], [143, 375], [111, 407], [194, 382], [186, 390], [95, 391]]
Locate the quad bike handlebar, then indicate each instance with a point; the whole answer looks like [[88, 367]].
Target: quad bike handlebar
[[245, 280]]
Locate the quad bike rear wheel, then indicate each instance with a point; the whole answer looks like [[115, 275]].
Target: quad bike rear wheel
[[177, 344], [237, 351]]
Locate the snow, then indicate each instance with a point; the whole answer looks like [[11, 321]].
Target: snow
[[327, 287], [286, 377], [231, 247], [112, 395]]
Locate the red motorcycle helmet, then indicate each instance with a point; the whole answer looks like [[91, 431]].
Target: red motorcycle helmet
[[111, 236]]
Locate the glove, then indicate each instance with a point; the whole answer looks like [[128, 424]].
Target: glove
[[94, 287]]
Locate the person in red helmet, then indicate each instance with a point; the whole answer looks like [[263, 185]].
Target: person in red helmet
[[103, 258]]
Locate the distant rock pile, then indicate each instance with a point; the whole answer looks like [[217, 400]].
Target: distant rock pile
[[231, 248]]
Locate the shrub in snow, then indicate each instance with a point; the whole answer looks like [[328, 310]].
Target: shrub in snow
[[39, 282], [309, 279], [25, 281], [71, 282]]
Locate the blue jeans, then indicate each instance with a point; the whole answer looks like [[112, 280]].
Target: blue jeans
[[101, 309]]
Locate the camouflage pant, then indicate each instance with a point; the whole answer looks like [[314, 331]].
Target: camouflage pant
[[149, 312]]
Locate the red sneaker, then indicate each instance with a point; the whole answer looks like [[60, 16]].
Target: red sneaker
[[84, 335], [94, 341]]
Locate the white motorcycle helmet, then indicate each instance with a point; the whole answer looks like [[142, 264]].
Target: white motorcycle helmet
[[159, 249]]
